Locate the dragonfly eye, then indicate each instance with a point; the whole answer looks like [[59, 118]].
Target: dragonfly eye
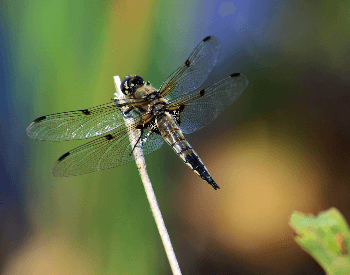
[[131, 83]]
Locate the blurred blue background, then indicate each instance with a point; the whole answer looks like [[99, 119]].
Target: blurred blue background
[[282, 146]]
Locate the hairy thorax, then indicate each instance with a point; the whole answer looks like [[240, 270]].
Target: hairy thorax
[[157, 105]]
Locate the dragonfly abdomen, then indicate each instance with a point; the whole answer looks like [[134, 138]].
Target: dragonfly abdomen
[[174, 137]]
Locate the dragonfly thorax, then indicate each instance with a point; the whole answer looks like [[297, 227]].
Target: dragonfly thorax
[[158, 106], [153, 103]]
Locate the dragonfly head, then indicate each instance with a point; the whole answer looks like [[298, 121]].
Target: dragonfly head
[[131, 83]]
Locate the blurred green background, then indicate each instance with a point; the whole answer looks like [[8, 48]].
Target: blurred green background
[[282, 146]]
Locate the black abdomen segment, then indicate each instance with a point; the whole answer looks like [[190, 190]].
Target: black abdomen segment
[[194, 162], [174, 137]]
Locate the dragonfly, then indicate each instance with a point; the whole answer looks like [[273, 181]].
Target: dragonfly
[[178, 107]]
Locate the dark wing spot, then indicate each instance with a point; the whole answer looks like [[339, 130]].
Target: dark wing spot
[[187, 63], [63, 156], [235, 74], [181, 108], [39, 119], [85, 112], [202, 92], [207, 38], [109, 137]]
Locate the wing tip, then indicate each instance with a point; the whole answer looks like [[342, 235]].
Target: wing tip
[[38, 119], [235, 74], [207, 38], [63, 156], [30, 132], [243, 79], [213, 40], [57, 172]]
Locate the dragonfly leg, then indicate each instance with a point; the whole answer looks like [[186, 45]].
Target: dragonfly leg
[[141, 140], [146, 137], [137, 142], [126, 113]]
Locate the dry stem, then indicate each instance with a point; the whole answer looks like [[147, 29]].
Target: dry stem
[[141, 166]]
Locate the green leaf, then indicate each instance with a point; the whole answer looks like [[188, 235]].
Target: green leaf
[[325, 237]]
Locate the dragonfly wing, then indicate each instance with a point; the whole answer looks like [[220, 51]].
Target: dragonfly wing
[[78, 124], [105, 152], [202, 107], [194, 71]]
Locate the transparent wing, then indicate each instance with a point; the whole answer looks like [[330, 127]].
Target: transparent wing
[[194, 71], [202, 107], [78, 124], [105, 152]]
